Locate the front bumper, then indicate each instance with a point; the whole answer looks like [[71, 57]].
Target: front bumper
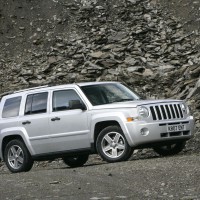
[[141, 132]]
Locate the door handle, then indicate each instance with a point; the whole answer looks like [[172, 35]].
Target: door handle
[[26, 122], [55, 119]]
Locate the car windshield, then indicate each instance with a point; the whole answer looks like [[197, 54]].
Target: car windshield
[[106, 93]]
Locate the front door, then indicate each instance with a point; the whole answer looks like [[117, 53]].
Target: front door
[[68, 127]]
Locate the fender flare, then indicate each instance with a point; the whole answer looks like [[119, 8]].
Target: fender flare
[[16, 131], [117, 116]]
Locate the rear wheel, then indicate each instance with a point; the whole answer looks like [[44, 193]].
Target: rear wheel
[[170, 149], [112, 145], [17, 157], [76, 161]]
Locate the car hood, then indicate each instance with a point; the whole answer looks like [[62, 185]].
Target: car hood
[[134, 104]]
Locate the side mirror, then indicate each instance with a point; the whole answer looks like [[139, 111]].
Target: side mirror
[[76, 104]]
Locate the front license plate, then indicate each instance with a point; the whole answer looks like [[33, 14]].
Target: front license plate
[[174, 128]]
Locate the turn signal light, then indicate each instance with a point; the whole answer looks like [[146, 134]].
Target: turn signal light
[[130, 119]]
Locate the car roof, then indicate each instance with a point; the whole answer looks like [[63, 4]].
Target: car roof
[[94, 83]]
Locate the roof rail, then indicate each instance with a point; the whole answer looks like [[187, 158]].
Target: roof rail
[[5, 93], [33, 88]]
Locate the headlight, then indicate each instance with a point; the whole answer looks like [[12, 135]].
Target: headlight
[[185, 108], [143, 112]]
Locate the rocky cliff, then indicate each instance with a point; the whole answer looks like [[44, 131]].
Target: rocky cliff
[[137, 42]]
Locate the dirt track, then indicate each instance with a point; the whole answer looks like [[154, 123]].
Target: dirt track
[[176, 177]]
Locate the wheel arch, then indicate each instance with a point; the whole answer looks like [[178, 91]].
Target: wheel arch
[[99, 126], [14, 133]]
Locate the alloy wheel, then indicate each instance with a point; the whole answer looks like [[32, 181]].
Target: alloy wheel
[[113, 144], [15, 157]]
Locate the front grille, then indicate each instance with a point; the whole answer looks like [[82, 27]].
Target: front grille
[[166, 111]]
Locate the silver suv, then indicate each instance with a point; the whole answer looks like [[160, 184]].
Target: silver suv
[[75, 120]]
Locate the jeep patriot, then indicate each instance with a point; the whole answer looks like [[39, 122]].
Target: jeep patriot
[[75, 120]]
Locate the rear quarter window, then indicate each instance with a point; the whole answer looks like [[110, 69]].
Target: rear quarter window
[[11, 107]]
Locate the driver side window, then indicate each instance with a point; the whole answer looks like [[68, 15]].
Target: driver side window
[[61, 99]]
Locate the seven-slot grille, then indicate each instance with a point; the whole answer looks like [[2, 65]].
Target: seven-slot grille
[[166, 111]]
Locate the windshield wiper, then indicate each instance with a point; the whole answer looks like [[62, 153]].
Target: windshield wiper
[[122, 100]]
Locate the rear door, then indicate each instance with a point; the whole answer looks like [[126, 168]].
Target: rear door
[[68, 127], [35, 121]]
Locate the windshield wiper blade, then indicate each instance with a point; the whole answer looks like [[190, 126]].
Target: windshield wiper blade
[[121, 100]]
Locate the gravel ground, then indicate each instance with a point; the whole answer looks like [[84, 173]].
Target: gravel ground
[[146, 177]]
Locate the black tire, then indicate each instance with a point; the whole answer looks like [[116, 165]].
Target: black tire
[[17, 156], [76, 161], [170, 149], [111, 150]]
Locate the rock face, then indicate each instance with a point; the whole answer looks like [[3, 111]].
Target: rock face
[[132, 41], [186, 11]]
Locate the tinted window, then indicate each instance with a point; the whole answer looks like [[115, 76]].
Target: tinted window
[[36, 103], [61, 99], [11, 107]]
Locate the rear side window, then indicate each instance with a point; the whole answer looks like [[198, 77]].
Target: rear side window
[[11, 107], [36, 103]]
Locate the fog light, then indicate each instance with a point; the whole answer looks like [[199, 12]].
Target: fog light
[[144, 131]]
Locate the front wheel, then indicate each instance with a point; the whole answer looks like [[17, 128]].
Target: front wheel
[[17, 156], [76, 161], [112, 145], [170, 149]]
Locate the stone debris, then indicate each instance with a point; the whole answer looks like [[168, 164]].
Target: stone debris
[[54, 182]]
